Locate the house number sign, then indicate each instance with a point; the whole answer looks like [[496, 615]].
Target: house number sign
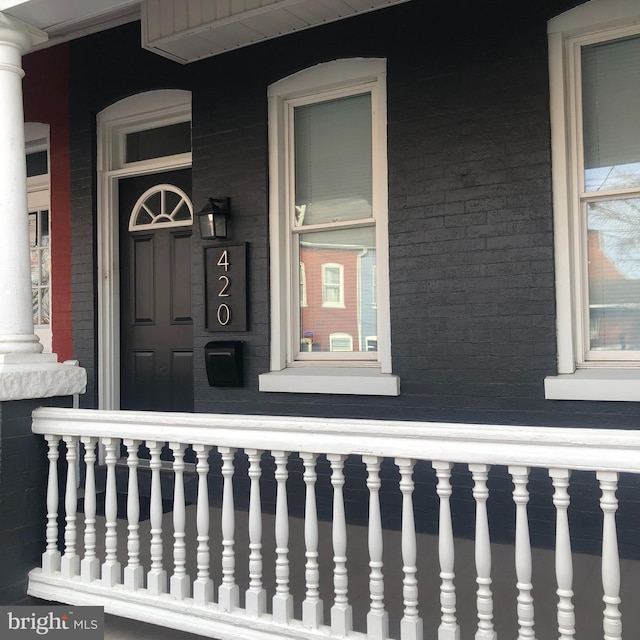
[[226, 287]]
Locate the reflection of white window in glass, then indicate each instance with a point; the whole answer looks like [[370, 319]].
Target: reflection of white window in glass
[[332, 285], [303, 286], [372, 343], [40, 267], [328, 209], [595, 94], [161, 206], [341, 342], [37, 165]]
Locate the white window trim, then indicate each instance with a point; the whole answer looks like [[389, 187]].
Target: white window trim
[[338, 304], [593, 21], [135, 113], [306, 377], [340, 336]]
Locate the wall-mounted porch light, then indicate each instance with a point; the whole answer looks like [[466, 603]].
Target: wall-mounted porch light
[[213, 218]]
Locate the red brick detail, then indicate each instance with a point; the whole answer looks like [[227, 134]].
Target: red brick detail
[[46, 100]]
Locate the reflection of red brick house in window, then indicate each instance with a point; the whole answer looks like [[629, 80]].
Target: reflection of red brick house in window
[[329, 312], [614, 317]]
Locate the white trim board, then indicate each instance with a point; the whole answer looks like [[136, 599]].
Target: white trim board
[[138, 112]]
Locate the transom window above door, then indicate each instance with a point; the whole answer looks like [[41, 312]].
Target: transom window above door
[[169, 140], [161, 206]]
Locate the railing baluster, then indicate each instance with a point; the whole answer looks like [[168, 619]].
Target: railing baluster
[[612, 619], [377, 618], [411, 623], [90, 565], [157, 576], [312, 610], [111, 566], [485, 630], [133, 572], [179, 584], [51, 555], [282, 600], [70, 565], [564, 564], [448, 629], [523, 562], [341, 612], [255, 596], [228, 593], [203, 585]]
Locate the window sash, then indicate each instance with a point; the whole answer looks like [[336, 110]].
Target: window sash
[[297, 348], [585, 355]]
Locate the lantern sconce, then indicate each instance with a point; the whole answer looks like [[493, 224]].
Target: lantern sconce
[[213, 218]]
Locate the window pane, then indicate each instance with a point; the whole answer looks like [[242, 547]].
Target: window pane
[[45, 266], [614, 274], [35, 295], [44, 228], [155, 143], [37, 164], [610, 105], [338, 268], [33, 229], [333, 161], [44, 309]]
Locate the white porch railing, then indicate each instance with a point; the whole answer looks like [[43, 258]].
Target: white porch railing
[[170, 572]]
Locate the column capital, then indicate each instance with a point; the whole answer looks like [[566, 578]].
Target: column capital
[[20, 34]]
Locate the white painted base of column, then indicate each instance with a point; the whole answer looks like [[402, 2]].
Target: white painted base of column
[[282, 608], [256, 602], [90, 569], [342, 620], [157, 582], [411, 629], [312, 614], [24, 377], [202, 593], [180, 587], [51, 562], [70, 565], [228, 597], [134, 577]]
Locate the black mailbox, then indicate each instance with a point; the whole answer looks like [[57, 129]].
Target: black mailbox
[[224, 363]]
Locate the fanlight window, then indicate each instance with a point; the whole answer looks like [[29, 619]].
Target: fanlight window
[[161, 206]]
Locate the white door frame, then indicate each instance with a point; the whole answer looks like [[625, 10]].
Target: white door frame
[[135, 113]]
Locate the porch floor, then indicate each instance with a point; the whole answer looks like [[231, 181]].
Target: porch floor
[[587, 580]]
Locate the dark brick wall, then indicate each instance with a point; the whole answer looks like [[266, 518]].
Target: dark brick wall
[[23, 487], [471, 237]]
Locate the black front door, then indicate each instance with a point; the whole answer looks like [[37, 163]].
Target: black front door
[[156, 332]]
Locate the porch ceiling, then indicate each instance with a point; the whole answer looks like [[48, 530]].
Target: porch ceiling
[[187, 30]]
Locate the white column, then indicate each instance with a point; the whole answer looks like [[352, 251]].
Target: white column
[[25, 372], [16, 313]]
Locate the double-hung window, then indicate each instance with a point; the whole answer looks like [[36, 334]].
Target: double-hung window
[[328, 226], [595, 110]]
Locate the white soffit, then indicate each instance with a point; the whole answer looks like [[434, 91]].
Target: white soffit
[[189, 30], [67, 19]]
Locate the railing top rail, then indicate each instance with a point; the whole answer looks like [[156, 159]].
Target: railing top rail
[[579, 448]]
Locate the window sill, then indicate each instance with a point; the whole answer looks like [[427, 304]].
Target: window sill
[[616, 385], [345, 381]]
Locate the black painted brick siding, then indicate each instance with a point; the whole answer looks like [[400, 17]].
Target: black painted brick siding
[[471, 238], [470, 220], [23, 486]]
